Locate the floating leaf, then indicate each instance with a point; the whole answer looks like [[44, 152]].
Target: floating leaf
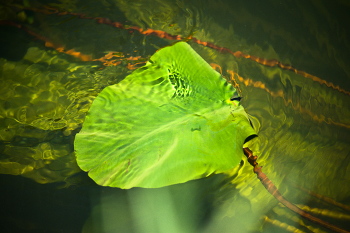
[[168, 122]]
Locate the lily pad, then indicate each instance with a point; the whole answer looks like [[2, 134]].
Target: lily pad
[[168, 122]]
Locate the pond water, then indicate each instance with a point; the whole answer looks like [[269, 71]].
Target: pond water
[[291, 69]]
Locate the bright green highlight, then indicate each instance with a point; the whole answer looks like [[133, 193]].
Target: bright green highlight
[[168, 122]]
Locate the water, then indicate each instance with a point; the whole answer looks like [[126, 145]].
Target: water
[[52, 69]]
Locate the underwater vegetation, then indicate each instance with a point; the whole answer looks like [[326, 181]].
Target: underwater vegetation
[[171, 121], [300, 111]]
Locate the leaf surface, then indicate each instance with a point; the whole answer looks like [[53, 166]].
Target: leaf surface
[[168, 122]]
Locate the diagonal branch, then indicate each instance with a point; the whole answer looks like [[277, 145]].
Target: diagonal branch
[[274, 191]]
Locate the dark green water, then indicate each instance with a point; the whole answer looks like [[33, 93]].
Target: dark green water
[[45, 92]]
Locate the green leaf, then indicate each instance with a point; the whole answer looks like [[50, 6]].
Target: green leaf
[[168, 122]]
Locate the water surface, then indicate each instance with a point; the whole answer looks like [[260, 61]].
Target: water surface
[[57, 56]]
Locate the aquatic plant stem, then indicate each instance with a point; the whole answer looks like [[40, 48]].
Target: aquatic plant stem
[[271, 188], [318, 196]]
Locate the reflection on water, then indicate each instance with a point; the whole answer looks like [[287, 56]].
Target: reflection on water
[[54, 64]]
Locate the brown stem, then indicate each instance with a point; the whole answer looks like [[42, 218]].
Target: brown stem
[[323, 198], [274, 191]]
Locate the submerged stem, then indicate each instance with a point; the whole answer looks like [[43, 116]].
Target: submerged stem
[[274, 191]]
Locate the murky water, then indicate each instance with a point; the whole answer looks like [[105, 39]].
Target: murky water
[[56, 57]]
